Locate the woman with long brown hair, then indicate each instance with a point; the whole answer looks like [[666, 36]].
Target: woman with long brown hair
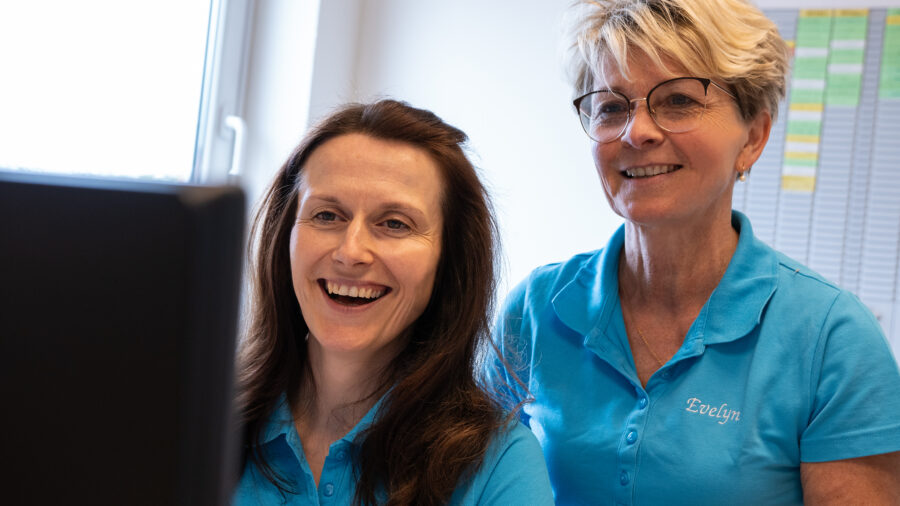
[[372, 286]]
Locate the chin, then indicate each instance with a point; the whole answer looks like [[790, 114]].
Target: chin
[[654, 213], [645, 216], [345, 341], [341, 341]]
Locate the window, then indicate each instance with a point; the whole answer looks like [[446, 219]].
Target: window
[[111, 88]]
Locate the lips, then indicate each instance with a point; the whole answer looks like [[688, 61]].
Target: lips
[[352, 294], [650, 170]]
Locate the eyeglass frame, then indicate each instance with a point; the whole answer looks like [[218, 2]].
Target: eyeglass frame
[[703, 80]]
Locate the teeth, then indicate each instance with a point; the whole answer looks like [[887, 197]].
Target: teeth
[[652, 170], [353, 291]]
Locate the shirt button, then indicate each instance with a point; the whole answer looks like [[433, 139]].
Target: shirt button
[[631, 437], [666, 374], [623, 478], [329, 490], [642, 403], [341, 456]]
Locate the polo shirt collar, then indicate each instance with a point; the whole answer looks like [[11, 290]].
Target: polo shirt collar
[[281, 423], [735, 307], [586, 302]]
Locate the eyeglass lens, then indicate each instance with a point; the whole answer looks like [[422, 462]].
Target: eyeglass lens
[[675, 106]]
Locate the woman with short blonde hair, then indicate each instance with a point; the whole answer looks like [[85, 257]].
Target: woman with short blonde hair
[[687, 362]]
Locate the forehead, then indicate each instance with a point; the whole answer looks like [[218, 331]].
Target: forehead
[[361, 166], [638, 73]]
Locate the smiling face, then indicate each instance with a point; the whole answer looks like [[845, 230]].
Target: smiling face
[[651, 176], [365, 246]]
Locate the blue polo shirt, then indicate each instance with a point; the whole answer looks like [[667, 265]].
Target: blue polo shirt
[[513, 471], [780, 367]]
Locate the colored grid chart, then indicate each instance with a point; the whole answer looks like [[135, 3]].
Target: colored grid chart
[[826, 190]]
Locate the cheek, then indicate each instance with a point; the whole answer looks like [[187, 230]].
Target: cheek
[[302, 257], [292, 245], [597, 156], [297, 283], [420, 269], [728, 133], [603, 154], [601, 164], [296, 252]]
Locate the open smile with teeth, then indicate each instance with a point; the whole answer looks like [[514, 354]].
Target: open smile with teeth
[[352, 295], [650, 170]]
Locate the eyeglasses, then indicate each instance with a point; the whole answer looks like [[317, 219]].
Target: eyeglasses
[[676, 106]]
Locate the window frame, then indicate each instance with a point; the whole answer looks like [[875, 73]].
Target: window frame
[[219, 140]]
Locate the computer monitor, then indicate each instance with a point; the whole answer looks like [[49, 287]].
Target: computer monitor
[[118, 314]]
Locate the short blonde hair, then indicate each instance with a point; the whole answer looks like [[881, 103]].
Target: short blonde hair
[[726, 40]]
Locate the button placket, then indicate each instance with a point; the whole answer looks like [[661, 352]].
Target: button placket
[[629, 446], [334, 471]]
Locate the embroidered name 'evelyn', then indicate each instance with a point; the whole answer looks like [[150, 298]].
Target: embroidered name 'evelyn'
[[722, 413]]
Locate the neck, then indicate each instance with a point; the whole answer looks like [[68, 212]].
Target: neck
[[674, 268], [341, 389]]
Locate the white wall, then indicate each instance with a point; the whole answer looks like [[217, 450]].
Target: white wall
[[493, 69], [279, 80]]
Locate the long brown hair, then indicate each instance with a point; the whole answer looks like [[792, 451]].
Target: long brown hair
[[436, 422]]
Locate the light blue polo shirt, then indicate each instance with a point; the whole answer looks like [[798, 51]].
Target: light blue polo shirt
[[513, 471], [780, 367]]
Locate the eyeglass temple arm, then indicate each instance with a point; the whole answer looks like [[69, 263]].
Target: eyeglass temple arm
[[730, 94]]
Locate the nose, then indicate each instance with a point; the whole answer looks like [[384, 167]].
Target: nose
[[641, 129], [355, 246]]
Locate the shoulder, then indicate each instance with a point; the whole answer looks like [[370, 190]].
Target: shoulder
[[796, 276], [828, 320], [852, 375], [803, 295], [518, 440], [773, 279], [513, 471], [794, 298]]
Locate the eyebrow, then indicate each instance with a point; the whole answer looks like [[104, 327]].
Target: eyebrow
[[383, 207]]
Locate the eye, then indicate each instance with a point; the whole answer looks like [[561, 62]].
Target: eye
[[679, 100], [611, 110], [395, 225], [325, 217], [611, 107]]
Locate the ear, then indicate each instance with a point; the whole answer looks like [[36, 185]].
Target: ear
[[757, 136]]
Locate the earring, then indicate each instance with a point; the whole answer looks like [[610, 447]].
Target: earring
[[742, 174]]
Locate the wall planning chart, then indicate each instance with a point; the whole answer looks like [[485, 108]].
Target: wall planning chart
[[826, 190]]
